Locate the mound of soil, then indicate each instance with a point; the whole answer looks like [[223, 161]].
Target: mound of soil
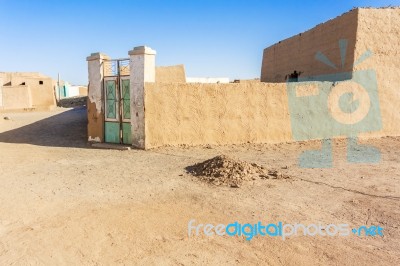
[[224, 170], [73, 102]]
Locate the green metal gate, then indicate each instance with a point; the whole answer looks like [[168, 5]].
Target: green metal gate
[[117, 115]]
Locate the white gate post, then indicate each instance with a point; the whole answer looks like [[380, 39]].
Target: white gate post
[[95, 99], [142, 69]]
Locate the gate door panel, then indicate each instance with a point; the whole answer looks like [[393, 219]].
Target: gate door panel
[[126, 111], [112, 117]]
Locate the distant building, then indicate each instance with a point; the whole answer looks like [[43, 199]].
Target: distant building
[[168, 74], [66, 90], [26, 90]]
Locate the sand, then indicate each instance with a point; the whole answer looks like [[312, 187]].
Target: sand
[[62, 202]]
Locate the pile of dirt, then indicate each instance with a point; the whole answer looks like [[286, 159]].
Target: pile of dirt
[[73, 102], [224, 170]]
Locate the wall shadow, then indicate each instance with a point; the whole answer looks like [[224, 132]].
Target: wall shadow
[[67, 129]]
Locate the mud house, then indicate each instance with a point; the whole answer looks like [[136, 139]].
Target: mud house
[[28, 90], [141, 109]]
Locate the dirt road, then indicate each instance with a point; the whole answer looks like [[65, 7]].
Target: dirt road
[[62, 202]]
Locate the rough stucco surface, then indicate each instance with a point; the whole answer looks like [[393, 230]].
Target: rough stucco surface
[[95, 99], [142, 67], [171, 74], [196, 114], [42, 95], [95, 87], [298, 52], [95, 123], [17, 97], [137, 68], [379, 31]]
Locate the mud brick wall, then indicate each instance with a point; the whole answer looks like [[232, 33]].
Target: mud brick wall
[[298, 52]]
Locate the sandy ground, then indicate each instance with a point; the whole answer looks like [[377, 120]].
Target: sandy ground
[[62, 202]]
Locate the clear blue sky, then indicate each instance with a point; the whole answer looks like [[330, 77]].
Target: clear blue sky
[[211, 38]]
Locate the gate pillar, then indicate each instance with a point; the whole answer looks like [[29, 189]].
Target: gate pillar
[[142, 69], [95, 99]]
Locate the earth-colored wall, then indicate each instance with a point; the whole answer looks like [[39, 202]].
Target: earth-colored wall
[[17, 97], [1, 92], [379, 32], [298, 52], [83, 91], [196, 114], [171, 74], [42, 94], [376, 30]]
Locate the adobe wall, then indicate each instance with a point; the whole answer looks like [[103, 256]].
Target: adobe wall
[[196, 114], [1, 93], [298, 52], [42, 94], [171, 74], [83, 91], [379, 32], [16, 97]]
